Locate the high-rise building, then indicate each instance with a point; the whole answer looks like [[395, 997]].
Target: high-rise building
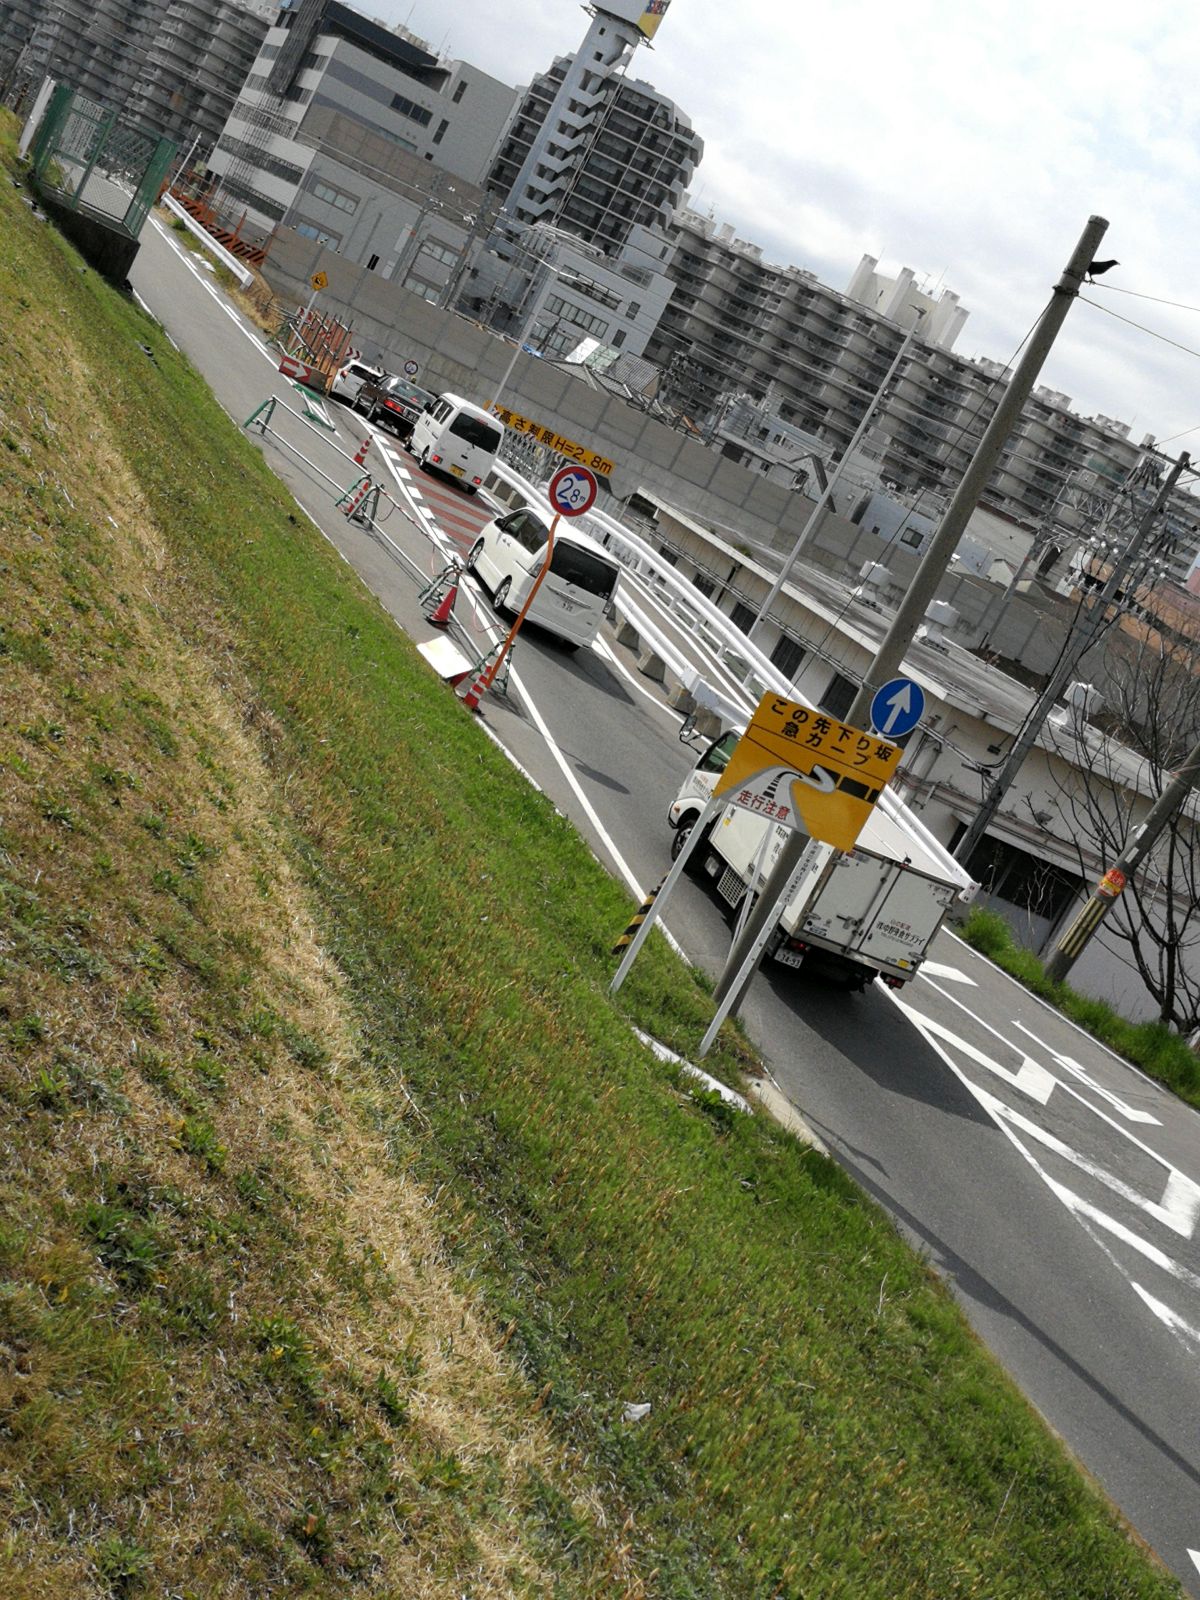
[[737, 324], [173, 67], [592, 151]]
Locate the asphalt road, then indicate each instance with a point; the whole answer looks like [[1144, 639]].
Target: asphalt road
[[1055, 1187]]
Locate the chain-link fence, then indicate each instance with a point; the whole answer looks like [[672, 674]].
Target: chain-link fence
[[92, 160]]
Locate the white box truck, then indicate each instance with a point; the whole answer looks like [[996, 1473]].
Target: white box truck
[[878, 913]]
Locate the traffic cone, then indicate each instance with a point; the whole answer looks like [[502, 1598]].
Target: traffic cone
[[474, 693], [441, 617], [360, 455]]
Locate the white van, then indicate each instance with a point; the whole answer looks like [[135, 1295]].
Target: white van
[[349, 379], [457, 438], [574, 594]]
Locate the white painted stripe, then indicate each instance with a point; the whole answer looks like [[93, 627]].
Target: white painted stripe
[[935, 969], [1176, 1323], [1030, 1078], [1130, 1113], [1178, 1207], [606, 653]]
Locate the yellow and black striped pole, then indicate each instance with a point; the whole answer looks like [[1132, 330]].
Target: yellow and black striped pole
[[643, 911]]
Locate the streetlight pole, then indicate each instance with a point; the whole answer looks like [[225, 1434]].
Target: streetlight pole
[[1068, 662], [832, 482], [890, 655], [1102, 899]]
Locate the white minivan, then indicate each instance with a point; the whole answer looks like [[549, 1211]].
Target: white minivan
[[457, 438], [574, 594]]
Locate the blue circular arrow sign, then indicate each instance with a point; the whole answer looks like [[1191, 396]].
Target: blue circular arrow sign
[[897, 708]]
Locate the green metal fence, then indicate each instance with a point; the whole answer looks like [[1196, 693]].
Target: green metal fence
[[93, 161]]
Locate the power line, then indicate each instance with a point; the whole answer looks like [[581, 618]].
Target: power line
[[1158, 300], [1141, 327]]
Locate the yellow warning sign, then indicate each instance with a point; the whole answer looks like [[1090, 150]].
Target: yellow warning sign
[[600, 465], [318, 280], [798, 767]]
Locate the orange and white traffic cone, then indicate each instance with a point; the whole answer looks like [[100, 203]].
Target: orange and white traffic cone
[[440, 618], [474, 694], [360, 455]]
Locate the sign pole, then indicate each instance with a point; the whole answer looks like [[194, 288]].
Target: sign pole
[[690, 844]]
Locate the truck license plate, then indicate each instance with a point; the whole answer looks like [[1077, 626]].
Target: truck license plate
[[790, 958], [457, 471]]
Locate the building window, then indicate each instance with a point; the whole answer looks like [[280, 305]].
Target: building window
[[632, 309], [338, 198], [408, 108], [556, 306], [442, 126], [460, 91], [787, 656], [743, 616], [913, 537], [372, 263], [839, 696], [439, 252], [618, 338], [705, 584]]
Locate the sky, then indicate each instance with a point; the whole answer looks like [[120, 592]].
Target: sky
[[968, 142]]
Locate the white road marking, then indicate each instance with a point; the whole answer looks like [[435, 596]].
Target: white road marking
[[1179, 1206], [556, 755], [604, 650], [935, 969], [1195, 1555], [1030, 1078], [1089, 1216], [1176, 1323], [1130, 1113]]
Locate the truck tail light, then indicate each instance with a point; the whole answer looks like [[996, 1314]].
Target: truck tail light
[[477, 481], [437, 460]]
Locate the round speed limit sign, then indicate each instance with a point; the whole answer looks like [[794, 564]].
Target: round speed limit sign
[[572, 491]]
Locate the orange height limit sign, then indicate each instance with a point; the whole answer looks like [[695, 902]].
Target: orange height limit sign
[[799, 768]]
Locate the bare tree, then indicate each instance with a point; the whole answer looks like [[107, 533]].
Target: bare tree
[[1151, 718]]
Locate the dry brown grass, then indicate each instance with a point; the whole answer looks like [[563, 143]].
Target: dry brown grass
[[178, 1049]]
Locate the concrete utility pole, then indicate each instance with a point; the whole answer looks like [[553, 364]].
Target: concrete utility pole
[[1072, 655], [929, 574], [1073, 942], [831, 483]]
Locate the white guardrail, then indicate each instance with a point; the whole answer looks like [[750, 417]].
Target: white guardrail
[[730, 674], [239, 268]]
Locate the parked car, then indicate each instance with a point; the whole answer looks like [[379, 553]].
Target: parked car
[[348, 380], [395, 404], [572, 598], [458, 439]]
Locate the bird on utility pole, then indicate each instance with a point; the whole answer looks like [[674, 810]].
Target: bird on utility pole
[[1097, 268]]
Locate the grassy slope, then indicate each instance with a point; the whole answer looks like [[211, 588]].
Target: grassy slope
[[287, 950]]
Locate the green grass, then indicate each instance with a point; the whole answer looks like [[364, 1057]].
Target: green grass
[[324, 1115], [1149, 1045]]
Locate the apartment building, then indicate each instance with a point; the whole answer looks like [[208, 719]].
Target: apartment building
[[593, 152], [337, 114], [739, 324], [173, 67]]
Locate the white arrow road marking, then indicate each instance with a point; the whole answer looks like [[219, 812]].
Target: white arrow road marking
[[1031, 1078], [935, 969], [1130, 1113], [1175, 1322], [1195, 1555], [1180, 1203], [1089, 1216]]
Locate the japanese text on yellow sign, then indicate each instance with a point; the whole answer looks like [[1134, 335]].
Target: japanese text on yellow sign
[[798, 767], [600, 465]]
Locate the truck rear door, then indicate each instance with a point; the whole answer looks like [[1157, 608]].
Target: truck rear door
[[901, 928]]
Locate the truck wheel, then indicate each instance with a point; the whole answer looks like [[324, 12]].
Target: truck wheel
[[695, 866]]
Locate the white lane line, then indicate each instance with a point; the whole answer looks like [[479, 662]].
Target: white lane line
[[1080, 1072], [605, 651], [1178, 1207], [558, 758], [1030, 1078], [935, 969], [1177, 1325], [215, 293], [1090, 1218]]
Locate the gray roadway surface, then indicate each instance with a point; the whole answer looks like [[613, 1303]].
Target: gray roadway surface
[[1055, 1187]]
